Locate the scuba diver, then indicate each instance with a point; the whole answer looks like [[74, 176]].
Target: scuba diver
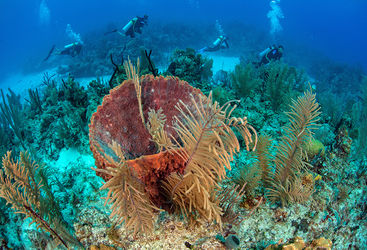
[[273, 53], [72, 49], [220, 43], [133, 26]]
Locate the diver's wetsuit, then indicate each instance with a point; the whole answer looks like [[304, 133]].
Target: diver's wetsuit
[[138, 23], [223, 45], [72, 49], [220, 43], [273, 55]]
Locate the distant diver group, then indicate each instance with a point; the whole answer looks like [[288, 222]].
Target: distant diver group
[[135, 25]]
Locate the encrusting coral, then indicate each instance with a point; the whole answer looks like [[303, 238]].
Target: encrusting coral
[[160, 143], [299, 243]]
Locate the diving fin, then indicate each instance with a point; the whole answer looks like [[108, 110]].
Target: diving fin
[[110, 32], [49, 53]]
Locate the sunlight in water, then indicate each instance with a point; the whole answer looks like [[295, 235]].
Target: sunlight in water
[[44, 13], [274, 15]]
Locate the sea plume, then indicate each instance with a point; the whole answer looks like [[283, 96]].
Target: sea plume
[[285, 183], [206, 144]]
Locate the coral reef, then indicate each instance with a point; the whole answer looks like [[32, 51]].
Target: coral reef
[[314, 147], [298, 243], [26, 186], [280, 81], [191, 67], [158, 153], [12, 117], [244, 79], [288, 182]]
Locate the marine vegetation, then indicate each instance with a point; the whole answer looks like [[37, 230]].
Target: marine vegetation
[[245, 79], [191, 67], [12, 119], [284, 175], [163, 147], [186, 143], [279, 82], [25, 185], [359, 116], [286, 184], [53, 116]]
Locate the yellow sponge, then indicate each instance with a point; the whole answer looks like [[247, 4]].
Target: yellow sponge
[[314, 147]]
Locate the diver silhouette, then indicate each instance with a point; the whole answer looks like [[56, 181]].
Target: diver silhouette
[[272, 53], [219, 43], [135, 25], [72, 49]]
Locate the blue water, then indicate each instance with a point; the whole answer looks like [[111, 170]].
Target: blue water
[[335, 28]]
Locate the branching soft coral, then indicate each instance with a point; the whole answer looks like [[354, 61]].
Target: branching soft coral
[[207, 144], [23, 184], [286, 184], [244, 79]]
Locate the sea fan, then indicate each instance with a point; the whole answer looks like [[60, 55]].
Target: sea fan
[[206, 144], [285, 183]]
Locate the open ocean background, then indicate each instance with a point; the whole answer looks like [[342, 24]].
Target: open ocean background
[[336, 28]]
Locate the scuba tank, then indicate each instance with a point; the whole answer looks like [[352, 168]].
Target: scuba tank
[[264, 52], [69, 45], [218, 41], [129, 24]]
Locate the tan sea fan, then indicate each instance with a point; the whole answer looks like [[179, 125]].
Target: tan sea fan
[[285, 183], [206, 144]]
